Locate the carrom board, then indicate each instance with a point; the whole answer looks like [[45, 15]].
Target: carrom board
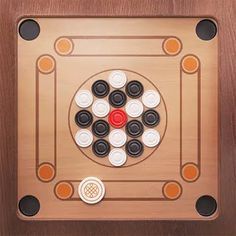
[[117, 118]]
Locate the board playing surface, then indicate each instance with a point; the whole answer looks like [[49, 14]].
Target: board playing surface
[[168, 179]]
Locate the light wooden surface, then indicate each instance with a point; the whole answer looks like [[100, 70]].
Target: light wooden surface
[[188, 135], [224, 225]]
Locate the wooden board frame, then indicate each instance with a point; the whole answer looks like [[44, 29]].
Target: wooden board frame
[[222, 12], [193, 138]]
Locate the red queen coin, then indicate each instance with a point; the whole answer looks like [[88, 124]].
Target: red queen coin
[[117, 118]]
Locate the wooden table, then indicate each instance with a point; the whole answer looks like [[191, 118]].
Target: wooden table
[[222, 11]]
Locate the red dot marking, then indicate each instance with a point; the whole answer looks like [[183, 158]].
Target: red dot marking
[[117, 118]]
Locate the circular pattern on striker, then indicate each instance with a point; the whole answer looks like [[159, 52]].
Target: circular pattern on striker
[[91, 190]]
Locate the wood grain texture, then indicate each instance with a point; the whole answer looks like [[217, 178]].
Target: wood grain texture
[[52, 140], [223, 11]]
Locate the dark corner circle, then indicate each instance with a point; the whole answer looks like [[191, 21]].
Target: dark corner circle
[[206, 29], [206, 205], [29, 29], [29, 205]]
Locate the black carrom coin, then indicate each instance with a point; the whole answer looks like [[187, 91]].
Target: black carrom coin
[[101, 148], [100, 128], [134, 148], [150, 118], [100, 88], [83, 118], [117, 98], [134, 128], [134, 89]]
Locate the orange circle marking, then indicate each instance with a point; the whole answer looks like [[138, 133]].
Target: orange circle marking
[[64, 190], [64, 46], [172, 190], [46, 64], [46, 172], [190, 64], [172, 46], [190, 172]]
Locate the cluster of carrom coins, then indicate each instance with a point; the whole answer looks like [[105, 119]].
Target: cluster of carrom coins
[[117, 118]]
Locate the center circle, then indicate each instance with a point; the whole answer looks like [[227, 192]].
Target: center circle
[[117, 118], [121, 113]]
